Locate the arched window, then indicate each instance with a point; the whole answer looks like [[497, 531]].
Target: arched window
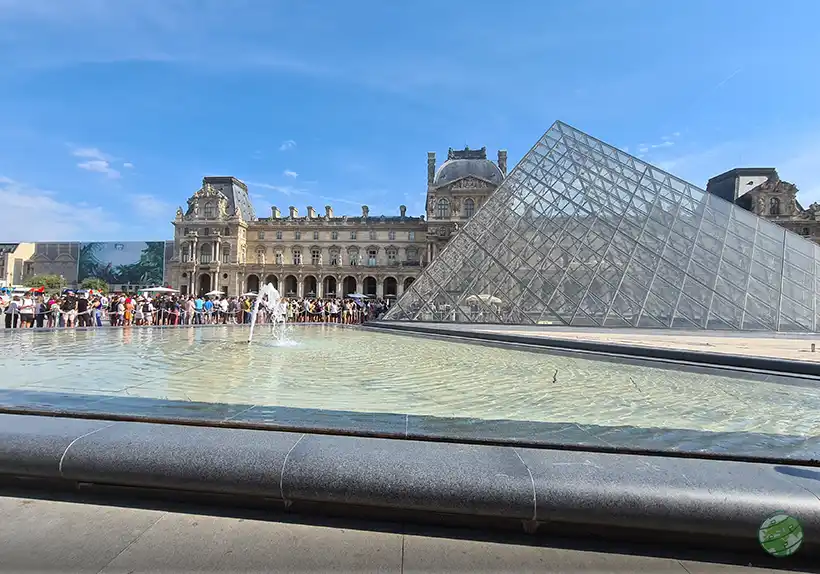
[[209, 210], [226, 253], [205, 253], [315, 256], [443, 208], [297, 256], [469, 207], [774, 206]]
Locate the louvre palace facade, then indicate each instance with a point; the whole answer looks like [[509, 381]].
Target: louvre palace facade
[[221, 244]]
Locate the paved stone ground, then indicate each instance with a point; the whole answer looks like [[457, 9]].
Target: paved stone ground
[[61, 536], [796, 347]]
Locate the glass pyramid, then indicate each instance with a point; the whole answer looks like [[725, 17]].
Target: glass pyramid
[[581, 233]]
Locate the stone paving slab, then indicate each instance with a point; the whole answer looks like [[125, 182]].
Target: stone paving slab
[[788, 346], [68, 537], [795, 349]]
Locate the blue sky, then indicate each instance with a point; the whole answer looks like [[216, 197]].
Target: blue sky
[[111, 111]]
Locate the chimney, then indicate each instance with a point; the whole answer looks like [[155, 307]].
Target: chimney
[[328, 212], [274, 212], [431, 167], [294, 213], [502, 161], [311, 212], [402, 210]]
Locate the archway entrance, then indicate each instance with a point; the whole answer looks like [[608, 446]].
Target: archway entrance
[[290, 286], [408, 282], [329, 286], [310, 285], [273, 279], [369, 286], [204, 283], [253, 283], [348, 285], [391, 287]]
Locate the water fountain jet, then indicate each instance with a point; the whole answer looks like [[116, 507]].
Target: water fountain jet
[[269, 297]]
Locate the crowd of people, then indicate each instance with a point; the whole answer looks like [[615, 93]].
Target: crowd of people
[[90, 309]]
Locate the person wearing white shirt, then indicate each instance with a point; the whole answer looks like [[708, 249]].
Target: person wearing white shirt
[[27, 312]]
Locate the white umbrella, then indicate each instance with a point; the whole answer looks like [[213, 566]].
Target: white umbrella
[[214, 292], [249, 294], [484, 298], [159, 290]]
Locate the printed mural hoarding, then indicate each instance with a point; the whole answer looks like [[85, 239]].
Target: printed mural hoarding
[[139, 263]]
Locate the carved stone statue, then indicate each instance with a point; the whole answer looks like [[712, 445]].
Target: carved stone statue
[[179, 213], [761, 205], [456, 205], [365, 211], [791, 206], [223, 207], [431, 203]]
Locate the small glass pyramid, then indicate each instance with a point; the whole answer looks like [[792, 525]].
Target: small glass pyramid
[[581, 233]]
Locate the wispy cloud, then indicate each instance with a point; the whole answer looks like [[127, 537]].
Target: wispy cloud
[[56, 220], [666, 142], [283, 189], [149, 206], [342, 200], [286, 145], [723, 82], [289, 173], [128, 165], [95, 161]]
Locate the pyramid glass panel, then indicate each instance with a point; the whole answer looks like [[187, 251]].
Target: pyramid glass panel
[[581, 233]]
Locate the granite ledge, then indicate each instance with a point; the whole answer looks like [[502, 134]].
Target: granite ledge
[[724, 360], [681, 497]]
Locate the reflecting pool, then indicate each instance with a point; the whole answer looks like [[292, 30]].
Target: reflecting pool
[[463, 389]]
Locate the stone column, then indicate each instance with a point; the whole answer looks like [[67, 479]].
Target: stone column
[[380, 287]]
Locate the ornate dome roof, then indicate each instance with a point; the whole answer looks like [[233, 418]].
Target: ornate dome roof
[[461, 163], [454, 169]]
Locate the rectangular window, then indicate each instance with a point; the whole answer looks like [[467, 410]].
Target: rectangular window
[[316, 236], [315, 256], [391, 235], [411, 235], [279, 235], [334, 258], [334, 235], [297, 235], [353, 235], [261, 235], [371, 257]]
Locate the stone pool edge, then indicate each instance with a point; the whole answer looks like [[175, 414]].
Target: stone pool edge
[[719, 503], [648, 353]]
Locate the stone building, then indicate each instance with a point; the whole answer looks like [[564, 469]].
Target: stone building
[[221, 244], [13, 258], [761, 191]]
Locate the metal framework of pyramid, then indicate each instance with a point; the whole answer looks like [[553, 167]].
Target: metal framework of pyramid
[[581, 233]]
